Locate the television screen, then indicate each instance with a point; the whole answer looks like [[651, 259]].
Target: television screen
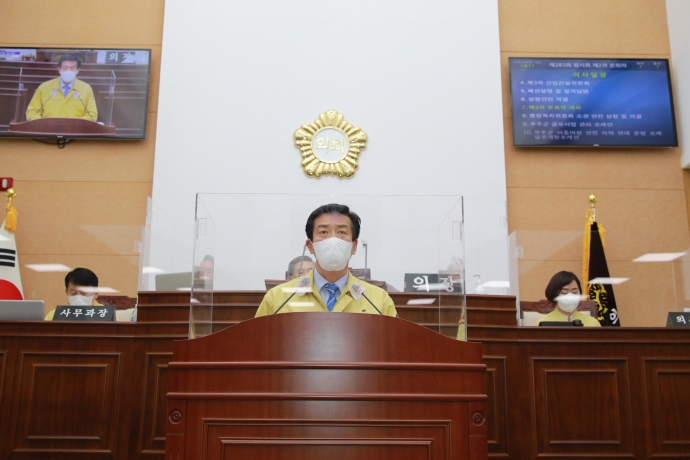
[[592, 102], [74, 93]]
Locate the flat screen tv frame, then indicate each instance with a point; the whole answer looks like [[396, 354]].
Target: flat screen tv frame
[[515, 114], [120, 93]]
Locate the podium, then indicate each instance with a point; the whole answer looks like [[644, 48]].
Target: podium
[[315, 386], [65, 127]]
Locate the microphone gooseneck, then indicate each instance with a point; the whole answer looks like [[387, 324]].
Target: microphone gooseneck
[[300, 290], [357, 291], [366, 254], [55, 91], [299, 270], [86, 111]]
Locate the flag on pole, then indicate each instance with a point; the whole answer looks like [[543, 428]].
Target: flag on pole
[[10, 280], [594, 268]]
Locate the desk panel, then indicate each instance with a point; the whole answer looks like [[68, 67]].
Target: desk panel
[[584, 392]]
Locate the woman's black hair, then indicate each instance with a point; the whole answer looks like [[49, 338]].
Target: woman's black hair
[[560, 279]]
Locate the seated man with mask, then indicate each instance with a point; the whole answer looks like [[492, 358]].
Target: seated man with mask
[[332, 232], [81, 285]]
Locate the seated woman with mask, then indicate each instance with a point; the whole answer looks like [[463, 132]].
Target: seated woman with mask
[[565, 291]]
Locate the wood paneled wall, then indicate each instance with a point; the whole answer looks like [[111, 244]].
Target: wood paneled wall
[[641, 192], [82, 205]]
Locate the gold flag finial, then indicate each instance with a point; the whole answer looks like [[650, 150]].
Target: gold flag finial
[[591, 213], [11, 214]]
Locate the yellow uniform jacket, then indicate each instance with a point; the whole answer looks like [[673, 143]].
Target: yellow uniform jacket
[[556, 315], [60, 106], [312, 301]]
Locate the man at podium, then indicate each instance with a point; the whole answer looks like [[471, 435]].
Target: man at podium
[[65, 96], [332, 232]]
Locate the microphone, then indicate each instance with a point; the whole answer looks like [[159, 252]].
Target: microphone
[[299, 270], [357, 291], [76, 94], [301, 289], [365, 245], [55, 91]]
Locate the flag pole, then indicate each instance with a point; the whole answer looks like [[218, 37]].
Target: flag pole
[[591, 218]]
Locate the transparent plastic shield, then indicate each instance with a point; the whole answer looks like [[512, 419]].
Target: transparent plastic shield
[[201, 298], [47, 253], [410, 245], [166, 245], [486, 234], [451, 274], [648, 277]]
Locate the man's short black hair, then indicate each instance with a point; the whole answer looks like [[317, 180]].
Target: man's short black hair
[[81, 277], [560, 279], [69, 57], [333, 209]]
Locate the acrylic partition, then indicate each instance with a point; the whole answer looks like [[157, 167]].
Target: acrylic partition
[[486, 250], [648, 277], [111, 251], [245, 242], [203, 270], [166, 244]]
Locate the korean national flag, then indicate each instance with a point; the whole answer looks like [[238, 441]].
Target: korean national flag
[[10, 281]]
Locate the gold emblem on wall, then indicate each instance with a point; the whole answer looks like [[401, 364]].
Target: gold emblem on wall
[[330, 145]]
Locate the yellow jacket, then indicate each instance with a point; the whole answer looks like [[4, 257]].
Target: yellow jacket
[[60, 106], [312, 301], [556, 315]]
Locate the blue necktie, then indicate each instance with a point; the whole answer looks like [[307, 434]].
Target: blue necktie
[[331, 288], [65, 90]]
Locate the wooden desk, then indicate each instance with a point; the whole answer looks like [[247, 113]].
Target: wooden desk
[[72, 390], [310, 386]]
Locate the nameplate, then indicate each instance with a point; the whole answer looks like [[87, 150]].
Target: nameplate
[[678, 319], [429, 282], [85, 313]]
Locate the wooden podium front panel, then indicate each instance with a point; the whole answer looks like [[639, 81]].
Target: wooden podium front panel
[[334, 436], [61, 127], [312, 385]]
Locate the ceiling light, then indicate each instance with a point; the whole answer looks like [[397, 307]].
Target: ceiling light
[[602, 280], [48, 267], [660, 257]]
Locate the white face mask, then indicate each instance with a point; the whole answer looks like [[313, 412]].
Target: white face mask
[[333, 254], [68, 76], [80, 299], [568, 302]]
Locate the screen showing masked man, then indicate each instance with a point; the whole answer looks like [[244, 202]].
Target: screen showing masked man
[[65, 96], [332, 231]]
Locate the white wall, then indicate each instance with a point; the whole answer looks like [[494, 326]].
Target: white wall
[[678, 13], [422, 79]]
